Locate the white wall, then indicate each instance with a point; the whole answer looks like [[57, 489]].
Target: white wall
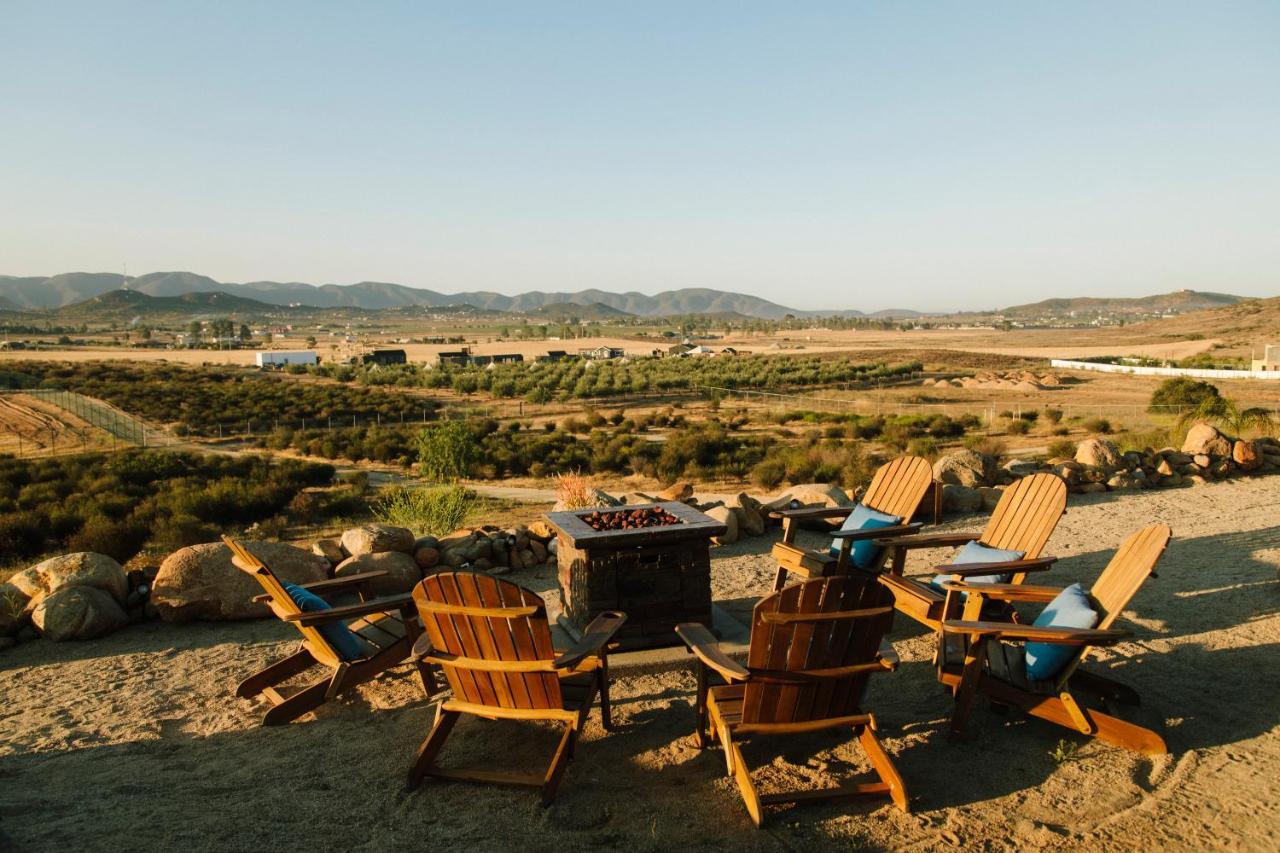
[[1198, 373]]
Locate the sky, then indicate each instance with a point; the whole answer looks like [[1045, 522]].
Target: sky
[[930, 155]]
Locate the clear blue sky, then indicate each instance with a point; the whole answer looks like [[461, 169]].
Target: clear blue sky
[[841, 155]]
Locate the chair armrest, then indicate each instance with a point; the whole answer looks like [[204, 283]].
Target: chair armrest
[[594, 639], [1005, 591], [364, 608], [816, 512], [422, 648], [875, 533], [1009, 567], [1060, 636], [333, 585], [703, 645], [930, 540]]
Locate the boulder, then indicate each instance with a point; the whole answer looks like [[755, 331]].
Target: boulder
[[541, 530], [426, 542], [330, 549], [1176, 457], [677, 492], [1165, 468], [426, 557], [78, 613], [1246, 454], [1202, 438], [83, 569], [960, 498], [1021, 467], [1122, 481], [810, 494], [539, 550], [1201, 460], [13, 609], [990, 496], [1097, 453], [965, 468], [402, 572], [725, 516], [200, 583], [747, 509], [376, 539]]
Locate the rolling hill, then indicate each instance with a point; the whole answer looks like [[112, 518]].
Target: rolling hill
[[1180, 301], [128, 304]]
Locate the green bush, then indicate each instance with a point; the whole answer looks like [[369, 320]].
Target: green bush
[[1065, 449], [446, 451], [437, 511], [1181, 393], [1102, 426], [1052, 415], [1018, 427]]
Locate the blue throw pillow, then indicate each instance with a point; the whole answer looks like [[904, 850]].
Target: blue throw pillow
[[865, 552], [976, 552], [345, 642], [1069, 609]]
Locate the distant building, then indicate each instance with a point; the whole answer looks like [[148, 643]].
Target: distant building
[[553, 355], [283, 358], [458, 357], [602, 353], [385, 356], [1270, 358]]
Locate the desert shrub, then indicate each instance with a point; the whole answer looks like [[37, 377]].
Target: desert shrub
[[988, 444], [437, 511], [1066, 449], [769, 473], [1018, 426], [1053, 415], [1181, 393], [1060, 430], [1141, 440], [575, 490], [446, 451], [1102, 426], [926, 447], [1029, 415]]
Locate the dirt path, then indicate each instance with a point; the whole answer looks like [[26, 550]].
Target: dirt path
[[146, 720]]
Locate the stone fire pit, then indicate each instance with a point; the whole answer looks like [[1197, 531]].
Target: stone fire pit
[[651, 561]]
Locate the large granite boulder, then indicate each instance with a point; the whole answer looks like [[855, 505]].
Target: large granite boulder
[[725, 516], [810, 494], [78, 613], [82, 569], [377, 539], [957, 498], [1204, 439], [13, 609], [965, 468], [201, 583], [747, 510], [1246, 454], [330, 549], [402, 572], [1098, 453]]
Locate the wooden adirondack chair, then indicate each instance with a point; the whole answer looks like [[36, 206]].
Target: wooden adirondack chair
[[1024, 519], [897, 488], [388, 625], [492, 639], [813, 647], [989, 663]]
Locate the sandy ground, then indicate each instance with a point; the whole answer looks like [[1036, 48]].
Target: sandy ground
[[135, 740]]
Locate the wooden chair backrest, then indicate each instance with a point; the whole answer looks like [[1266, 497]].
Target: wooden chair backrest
[[796, 662], [1027, 514], [1133, 563], [280, 602], [898, 487], [478, 619]]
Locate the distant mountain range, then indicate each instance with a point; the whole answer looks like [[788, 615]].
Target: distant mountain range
[[74, 294]]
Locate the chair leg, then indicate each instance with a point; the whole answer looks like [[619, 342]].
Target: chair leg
[[558, 764], [307, 699], [431, 746], [780, 580], [428, 677], [884, 767], [974, 659], [281, 670], [700, 709], [606, 715], [742, 775]]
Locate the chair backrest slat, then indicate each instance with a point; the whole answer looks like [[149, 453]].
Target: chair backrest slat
[[1132, 564], [281, 603], [809, 646], [1026, 515], [899, 486], [522, 633]]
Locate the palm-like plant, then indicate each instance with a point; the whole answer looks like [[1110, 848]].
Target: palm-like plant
[[1229, 417]]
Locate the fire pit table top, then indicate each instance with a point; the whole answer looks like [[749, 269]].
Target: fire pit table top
[[691, 523]]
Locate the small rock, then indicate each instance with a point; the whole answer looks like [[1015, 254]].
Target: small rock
[[678, 492], [1092, 488], [725, 516], [330, 549], [426, 556], [1246, 455], [376, 539], [539, 550]]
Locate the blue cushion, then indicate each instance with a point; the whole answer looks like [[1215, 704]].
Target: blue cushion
[[976, 552], [1069, 609], [345, 642], [864, 552]]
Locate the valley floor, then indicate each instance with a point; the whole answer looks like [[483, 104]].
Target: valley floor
[[135, 741]]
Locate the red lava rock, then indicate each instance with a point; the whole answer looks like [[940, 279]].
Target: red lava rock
[[630, 519]]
